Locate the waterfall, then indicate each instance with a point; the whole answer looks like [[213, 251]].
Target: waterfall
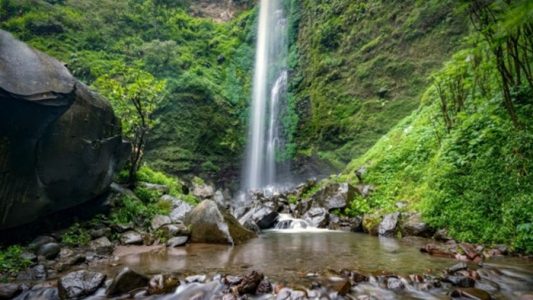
[[266, 136]]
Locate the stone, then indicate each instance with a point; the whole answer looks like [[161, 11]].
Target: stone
[[196, 278], [371, 223], [317, 217], [172, 230], [9, 290], [365, 190], [39, 241], [29, 256], [252, 226], [37, 272], [460, 281], [414, 226], [442, 235], [203, 191], [388, 225], [220, 199], [49, 250], [249, 284], [163, 284], [334, 196], [360, 173], [101, 246], [264, 215], [159, 220], [470, 293], [264, 287], [50, 120], [457, 267], [179, 208], [177, 241], [79, 284], [120, 228], [126, 281], [100, 232], [209, 224], [39, 293], [394, 283], [131, 238]]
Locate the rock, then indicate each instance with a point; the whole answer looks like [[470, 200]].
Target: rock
[[264, 215], [317, 217], [470, 293], [264, 287], [101, 246], [159, 220], [49, 250], [360, 173], [196, 278], [9, 290], [48, 121], [209, 224], [442, 235], [460, 281], [126, 281], [79, 284], [203, 191], [39, 293], [388, 225], [39, 241], [345, 223], [438, 250], [29, 256], [268, 220], [100, 232], [342, 287], [172, 230], [37, 272], [177, 241], [457, 267], [219, 199], [249, 284], [162, 284], [154, 187], [414, 226], [371, 224], [179, 208], [252, 226], [401, 204], [120, 228], [394, 283], [334, 196], [131, 238], [365, 190]]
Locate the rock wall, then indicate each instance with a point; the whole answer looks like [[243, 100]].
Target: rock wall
[[59, 142]]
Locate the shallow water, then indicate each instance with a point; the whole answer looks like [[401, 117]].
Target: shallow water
[[291, 256]]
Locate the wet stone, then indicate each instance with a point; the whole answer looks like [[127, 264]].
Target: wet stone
[[470, 293], [460, 281], [196, 278], [177, 241], [77, 285], [49, 250], [394, 283], [9, 290]]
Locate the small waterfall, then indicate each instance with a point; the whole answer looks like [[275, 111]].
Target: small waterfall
[[265, 137], [286, 223]]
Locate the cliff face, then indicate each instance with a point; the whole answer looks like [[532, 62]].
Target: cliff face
[[219, 10]]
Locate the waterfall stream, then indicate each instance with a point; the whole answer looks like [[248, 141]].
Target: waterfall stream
[[265, 136]]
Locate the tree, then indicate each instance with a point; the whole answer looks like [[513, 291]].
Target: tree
[[135, 95]]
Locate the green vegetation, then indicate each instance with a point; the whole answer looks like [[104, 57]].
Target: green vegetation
[[358, 68], [11, 261], [463, 158], [76, 236], [114, 45], [134, 210]]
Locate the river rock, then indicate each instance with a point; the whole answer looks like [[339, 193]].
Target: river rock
[[203, 191], [209, 224], [37, 272], [79, 284], [201, 278], [159, 220], [317, 217], [9, 290], [126, 280], [470, 293], [177, 241], [180, 208], [162, 284], [131, 238], [460, 281], [101, 246], [249, 284], [412, 225], [334, 196], [394, 283], [39, 293], [49, 250], [388, 225], [172, 230], [48, 121], [39, 241]]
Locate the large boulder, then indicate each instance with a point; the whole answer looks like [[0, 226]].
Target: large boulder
[[389, 225], [209, 224], [59, 142], [335, 196], [412, 225]]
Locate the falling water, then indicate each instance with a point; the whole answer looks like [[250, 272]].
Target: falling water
[[265, 138]]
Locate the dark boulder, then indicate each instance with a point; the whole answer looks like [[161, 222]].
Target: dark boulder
[[317, 217], [9, 290], [210, 224], [470, 293], [126, 281], [334, 196], [59, 142], [79, 284], [49, 250]]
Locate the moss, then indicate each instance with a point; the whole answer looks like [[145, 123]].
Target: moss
[[76, 236], [11, 262]]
